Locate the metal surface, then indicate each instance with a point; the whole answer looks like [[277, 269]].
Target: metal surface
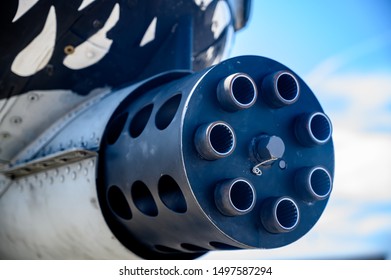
[[55, 214], [36, 115], [53, 161]]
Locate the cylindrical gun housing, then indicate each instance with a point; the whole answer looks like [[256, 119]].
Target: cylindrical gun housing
[[184, 164]]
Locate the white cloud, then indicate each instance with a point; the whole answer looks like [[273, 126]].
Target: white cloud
[[363, 164], [365, 99], [369, 48], [356, 99], [359, 106]]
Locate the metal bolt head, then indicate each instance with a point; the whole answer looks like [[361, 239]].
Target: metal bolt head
[[16, 120], [266, 147], [5, 135]]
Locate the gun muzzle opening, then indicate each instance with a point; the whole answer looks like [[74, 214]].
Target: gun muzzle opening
[[313, 183], [320, 127], [215, 140], [287, 88], [235, 197], [237, 92], [280, 215], [281, 89], [313, 129]]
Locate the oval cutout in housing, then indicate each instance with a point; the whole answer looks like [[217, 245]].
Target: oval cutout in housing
[[171, 194], [143, 199], [167, 112], [118, 203], [193, 248], [140, 120], [115, 128]]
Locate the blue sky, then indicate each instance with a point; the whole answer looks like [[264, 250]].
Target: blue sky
[[342, 49], [302, 33], [331, 44]]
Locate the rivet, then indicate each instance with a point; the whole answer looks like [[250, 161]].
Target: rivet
[[5, 135], [32, 97], [69, 49], [282, 164], [16, 120], [97, 23]]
